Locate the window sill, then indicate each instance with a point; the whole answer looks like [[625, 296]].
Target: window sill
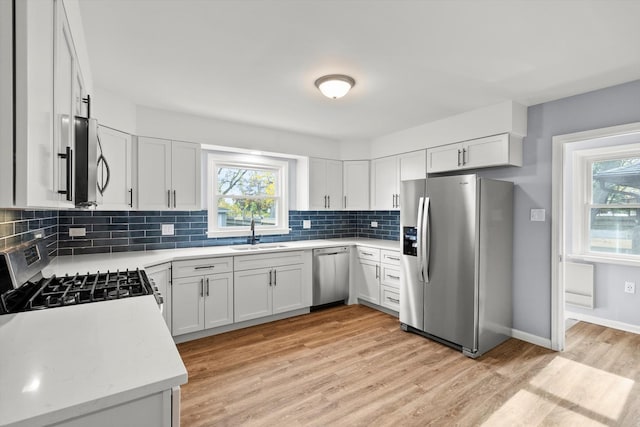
[[246, 233], [602, 259]]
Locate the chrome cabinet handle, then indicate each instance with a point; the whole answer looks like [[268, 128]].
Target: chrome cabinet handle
[[393, 258], [459, 162], [204, 267], [270, 279], [207, 286], [275, 277], [464, 156], [131, 197], [345, 202], [328, 201], [169, 198], [393, 277], [174, 198], [377, 273], [397, 301], [367, 253], [397, 200], [202, 287]]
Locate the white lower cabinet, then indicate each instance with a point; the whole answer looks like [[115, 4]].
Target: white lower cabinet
[[378, 277], [270, 284], [266, 291], [201, 301]]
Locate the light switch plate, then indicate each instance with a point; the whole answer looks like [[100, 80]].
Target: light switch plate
[[306, 223], [538, 215], [167, 230], [78, 232], [374, 224]]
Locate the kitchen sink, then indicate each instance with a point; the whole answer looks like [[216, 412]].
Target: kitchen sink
[[255, 247]]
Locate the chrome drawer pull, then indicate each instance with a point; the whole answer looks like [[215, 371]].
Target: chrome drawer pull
[[393, 258], [204, 267], [397, 301], [393, 277]]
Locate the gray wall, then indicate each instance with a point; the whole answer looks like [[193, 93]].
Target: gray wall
[[532, 240]]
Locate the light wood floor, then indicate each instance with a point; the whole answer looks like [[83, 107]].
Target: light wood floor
[[353, 366]]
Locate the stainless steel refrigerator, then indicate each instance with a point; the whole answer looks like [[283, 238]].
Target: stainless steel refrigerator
[[457, 239]]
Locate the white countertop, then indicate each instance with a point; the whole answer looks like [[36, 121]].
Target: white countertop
[[122, 260], [61, 363]]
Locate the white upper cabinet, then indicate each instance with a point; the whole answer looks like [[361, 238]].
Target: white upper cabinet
[[168, 175], [356, 184], [325, 184], [498, 150], [413, 165], [115, 177], [385, 184], [49, 89]]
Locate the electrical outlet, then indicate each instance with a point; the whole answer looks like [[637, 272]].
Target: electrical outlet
[[167, 230], [374, 224], [306, 223], [78, 232], [537, 215], [630, 287]]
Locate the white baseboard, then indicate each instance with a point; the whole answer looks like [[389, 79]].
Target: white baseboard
[[614, 324], [530, 338]]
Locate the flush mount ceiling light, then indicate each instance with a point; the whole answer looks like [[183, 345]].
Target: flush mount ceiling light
[[335, 86]]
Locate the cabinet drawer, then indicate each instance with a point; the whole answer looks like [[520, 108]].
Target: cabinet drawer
[[365, 252], [272, 259], [390, 257], [390, 276], [199, 267], [390, 298]]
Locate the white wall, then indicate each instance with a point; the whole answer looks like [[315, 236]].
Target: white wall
[[355, 150], [114, 111], [184, 127], [505, 117]]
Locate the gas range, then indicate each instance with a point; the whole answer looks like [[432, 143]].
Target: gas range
[[22, 287]]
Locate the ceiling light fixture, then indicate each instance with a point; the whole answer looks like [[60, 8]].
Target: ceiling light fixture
[[335, 86]]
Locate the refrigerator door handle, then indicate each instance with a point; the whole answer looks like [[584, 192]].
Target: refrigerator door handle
[[426, 239], [420, 227]]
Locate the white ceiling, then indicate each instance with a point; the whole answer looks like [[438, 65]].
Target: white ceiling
[[255, 61]]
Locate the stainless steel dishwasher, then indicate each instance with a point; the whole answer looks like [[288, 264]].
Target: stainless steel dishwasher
[[330, 275]]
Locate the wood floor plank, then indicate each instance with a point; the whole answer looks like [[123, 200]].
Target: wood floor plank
[[354, 366]]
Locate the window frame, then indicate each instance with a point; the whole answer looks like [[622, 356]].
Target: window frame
[[582, 202], [216, 160]]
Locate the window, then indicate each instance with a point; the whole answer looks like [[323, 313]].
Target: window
[[244, 188], [608, 207]]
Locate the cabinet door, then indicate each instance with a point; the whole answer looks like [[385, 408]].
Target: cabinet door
[[154, 174], [317, 184], [413, 165], [251, 294], [161, 277], [185, 176], [334, 185], [218, 300], [356, 185], [369, 283], [485, 152], [64, 100], [187, 303], [385, 183], [287, 288], [445, 158], [117, 150]]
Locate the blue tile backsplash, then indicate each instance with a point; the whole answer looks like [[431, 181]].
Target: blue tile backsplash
[[122, 231], [17, 226]]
